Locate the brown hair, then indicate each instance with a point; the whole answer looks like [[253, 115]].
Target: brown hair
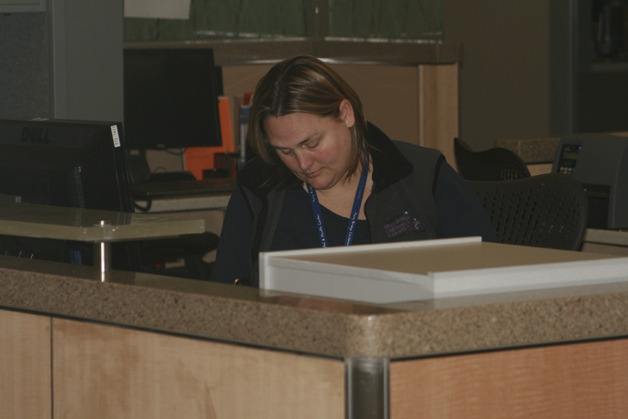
[[307, 85]]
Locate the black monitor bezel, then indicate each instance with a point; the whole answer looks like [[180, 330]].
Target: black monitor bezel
[[59, 144]]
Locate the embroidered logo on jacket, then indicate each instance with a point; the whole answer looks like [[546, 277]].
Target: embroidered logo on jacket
[[404, 223]]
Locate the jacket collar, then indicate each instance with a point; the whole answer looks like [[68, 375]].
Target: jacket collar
[[389, 166], [261, 177]]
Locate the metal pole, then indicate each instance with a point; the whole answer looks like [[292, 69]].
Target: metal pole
[[102, 258], [367, 388]]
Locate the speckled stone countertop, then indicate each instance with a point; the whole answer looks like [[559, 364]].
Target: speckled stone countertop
[[532, 150], [323, 327]]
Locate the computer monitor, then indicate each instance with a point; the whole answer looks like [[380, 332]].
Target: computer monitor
[[63, 163], [171, 98], [600, 163]]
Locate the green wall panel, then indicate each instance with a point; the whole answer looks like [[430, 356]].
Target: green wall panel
[[216, 19], [219, 19], [396, 19]]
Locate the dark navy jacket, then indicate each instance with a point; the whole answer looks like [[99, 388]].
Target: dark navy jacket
[[416, 195]]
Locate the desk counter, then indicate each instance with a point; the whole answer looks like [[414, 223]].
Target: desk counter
[[393, 343], [89, 225], [311, 325]]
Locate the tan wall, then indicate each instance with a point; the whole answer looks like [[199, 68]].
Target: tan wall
[[505, 73]]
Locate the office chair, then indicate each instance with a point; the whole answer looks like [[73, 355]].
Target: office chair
[[492, 164], [544, 211]]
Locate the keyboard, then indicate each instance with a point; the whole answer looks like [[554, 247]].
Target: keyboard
[[179, 188]]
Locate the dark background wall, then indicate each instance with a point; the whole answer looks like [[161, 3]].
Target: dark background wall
[[24, 66], [530, 70]]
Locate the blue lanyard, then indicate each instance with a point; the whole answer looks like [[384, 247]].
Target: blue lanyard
[[355, 210]]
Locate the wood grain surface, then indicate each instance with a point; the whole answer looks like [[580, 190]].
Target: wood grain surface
[[109, 372], [24, 366], [588, 380]]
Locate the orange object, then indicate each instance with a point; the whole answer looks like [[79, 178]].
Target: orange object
[[227, 135], [198, 159]]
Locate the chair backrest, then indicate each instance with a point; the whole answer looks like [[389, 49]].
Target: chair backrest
[[545, 211], [492, 164]]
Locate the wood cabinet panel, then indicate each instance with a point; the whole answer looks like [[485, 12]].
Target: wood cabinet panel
[[588, 380], [439, 108], [109, 372], [24, 365]]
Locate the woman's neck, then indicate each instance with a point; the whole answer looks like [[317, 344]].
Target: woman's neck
[[339, 199]]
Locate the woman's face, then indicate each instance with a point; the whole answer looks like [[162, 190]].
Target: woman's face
[[316, 149]]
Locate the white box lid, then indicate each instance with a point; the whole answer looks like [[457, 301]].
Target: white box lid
[[419, 270]]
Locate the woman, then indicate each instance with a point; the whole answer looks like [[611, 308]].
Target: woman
[[323, 176]]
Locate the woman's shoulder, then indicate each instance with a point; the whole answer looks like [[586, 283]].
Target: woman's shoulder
[[395, 151], [421, 159], [395, 160], [414, 151]]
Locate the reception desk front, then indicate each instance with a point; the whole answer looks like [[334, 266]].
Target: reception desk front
[[144, 346]]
